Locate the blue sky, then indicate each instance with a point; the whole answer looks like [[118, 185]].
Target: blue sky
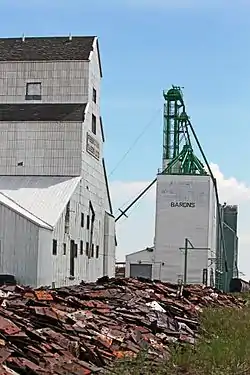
[[146, 46]]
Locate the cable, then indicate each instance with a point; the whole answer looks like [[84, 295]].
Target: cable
[[216, 192], [127, 202], [123, 213], [135, 142]]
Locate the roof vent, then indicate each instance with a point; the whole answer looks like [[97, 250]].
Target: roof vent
[[70, 37], [23, 38]]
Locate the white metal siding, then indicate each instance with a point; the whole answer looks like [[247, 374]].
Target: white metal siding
[[44, 148], [44, 261], [87, 269], [140, 257], [109, 246], [174, 224], [18, 246], [61, 81]]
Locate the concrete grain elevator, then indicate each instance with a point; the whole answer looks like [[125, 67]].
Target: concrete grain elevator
[[185, 224]]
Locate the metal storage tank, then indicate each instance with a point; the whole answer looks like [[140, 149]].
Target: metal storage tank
[[185, 209], [229, 216]]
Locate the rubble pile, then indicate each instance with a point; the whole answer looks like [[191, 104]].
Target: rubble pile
[[83, 329]]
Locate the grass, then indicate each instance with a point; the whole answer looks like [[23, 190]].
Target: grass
[[223, 349]]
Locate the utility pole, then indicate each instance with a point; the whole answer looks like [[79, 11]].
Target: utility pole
[[186, 248], [185, 261]]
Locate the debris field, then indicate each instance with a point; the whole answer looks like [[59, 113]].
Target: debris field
[[82, 330]]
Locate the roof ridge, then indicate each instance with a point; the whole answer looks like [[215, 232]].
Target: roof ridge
[[23, 208]]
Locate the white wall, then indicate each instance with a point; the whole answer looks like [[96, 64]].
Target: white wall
[[140, 257], [18, 246], [91, 188], [44, 148], [109, 246], [174, 224], [61, 81], [87, 269], [45, 259]]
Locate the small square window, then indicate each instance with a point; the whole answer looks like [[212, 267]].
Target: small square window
[[94, 124], [94, 95], [82, 220], [81, 247], [54, 247], [97, 251], [33, 91]]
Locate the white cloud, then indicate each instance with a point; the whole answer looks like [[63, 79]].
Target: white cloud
[[137, 231]]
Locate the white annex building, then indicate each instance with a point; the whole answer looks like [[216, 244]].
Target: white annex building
[[56, 222]]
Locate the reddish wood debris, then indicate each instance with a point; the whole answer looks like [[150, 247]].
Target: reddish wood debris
[[83, 329]]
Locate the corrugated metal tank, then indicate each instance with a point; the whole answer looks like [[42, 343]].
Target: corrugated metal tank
[[185, 208]]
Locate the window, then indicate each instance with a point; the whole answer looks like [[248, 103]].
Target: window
[[64, 249], [67, 217], [92, 251], [94, 95], [88, 222], [54, 247], [97, 251], [33, 91], [82, 220], [75, 254], [72, 259], [93, 124], [87, 249], [81, 247]]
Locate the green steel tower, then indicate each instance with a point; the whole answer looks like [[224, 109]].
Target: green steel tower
[[178, 155]]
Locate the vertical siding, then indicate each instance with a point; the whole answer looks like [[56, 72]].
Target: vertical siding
[[45, 260], [44, 148], [61, 81], [85, 269], [109, 245], [19, 246], [91, 188]]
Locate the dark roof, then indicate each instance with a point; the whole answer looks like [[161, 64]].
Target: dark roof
[[42, 112], [48, 48]]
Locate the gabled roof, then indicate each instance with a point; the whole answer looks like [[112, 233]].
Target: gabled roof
[[46, 48], [4, 200], [42, 112], [43, 197]]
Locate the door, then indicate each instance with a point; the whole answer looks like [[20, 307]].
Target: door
[[141, 270]]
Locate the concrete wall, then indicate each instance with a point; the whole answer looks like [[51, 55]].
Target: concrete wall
[[61, 81], [44, 148], [18, 246], [175, 223]]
